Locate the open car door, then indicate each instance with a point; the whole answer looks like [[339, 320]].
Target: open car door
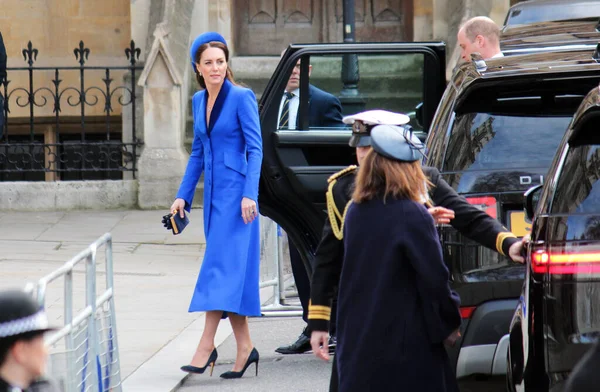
[[300, 156]]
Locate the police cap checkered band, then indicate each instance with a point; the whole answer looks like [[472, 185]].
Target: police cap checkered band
[[35, 322]]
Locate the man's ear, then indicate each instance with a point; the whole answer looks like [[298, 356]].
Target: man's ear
[[309, 69], [480, 40], [18, 351]]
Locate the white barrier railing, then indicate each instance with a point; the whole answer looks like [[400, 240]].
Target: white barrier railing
[[88, 339], [272, 244]]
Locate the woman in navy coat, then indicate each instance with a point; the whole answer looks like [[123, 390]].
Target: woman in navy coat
[[395, 305], [227, 146]]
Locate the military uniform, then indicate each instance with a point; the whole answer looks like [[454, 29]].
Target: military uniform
[[469, 220]]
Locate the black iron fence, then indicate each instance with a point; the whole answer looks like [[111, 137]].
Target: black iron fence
[[70, 123]]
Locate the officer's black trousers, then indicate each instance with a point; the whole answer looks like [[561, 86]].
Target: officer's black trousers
[[303, 286], [301, 279]]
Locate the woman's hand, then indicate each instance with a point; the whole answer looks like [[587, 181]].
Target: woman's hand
[[441, 215], [178, 205], [249, 212], [319, 341]]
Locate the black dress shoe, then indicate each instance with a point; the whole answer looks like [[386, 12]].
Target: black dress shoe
[[300, 346]]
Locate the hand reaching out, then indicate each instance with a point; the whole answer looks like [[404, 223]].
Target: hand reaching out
[[441, 215]]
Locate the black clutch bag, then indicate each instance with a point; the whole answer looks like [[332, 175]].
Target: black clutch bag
[[175, 222]]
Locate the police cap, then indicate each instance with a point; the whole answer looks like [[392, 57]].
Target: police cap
[[19, 314], [395, 142], [363, 122]]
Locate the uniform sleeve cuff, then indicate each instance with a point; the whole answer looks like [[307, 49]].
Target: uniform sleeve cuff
[[318, 317], [507, 243]]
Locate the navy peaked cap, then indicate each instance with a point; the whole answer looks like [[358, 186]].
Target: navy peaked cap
[[204, 38], [396, 142]]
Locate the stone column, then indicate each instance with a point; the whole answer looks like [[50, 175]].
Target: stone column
[[163, 159], [423, 20]]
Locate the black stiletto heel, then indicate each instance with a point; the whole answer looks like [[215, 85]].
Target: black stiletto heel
[[252, 358], [199, 370]]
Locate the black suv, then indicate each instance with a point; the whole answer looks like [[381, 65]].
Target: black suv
[[558, 316], [492, 136]]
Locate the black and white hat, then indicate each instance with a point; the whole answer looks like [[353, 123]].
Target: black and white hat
[[20, 314]]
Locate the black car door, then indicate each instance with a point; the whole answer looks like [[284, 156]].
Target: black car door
[[301, 153]]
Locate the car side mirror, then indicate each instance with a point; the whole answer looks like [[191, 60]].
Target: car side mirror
[[532, 198]]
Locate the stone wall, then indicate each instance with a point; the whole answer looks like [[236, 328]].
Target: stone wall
[[67, 195]]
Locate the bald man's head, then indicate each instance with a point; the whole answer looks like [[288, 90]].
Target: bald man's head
[[479, 34]]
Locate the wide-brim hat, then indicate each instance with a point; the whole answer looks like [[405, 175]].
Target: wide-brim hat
[[370, 118], [397, 143], [204, 38], [374, 117], [20, 314]]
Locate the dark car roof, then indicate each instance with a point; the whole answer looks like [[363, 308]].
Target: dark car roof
[[534, 11], [534, 63], [567, 34], [512, 73]]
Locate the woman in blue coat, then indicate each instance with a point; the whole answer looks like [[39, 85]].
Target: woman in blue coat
[[227, 146], [395, 305]]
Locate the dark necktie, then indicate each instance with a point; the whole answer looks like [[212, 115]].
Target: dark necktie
[[285, 111]]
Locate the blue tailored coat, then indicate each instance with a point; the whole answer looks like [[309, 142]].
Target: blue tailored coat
[[229, 151], [395, 305]]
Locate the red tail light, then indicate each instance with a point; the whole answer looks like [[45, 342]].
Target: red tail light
[[562, 261], [467, 311], [486, 203]]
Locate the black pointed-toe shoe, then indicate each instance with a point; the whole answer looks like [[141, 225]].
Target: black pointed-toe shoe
[[252, 358], [300, 346], [199, 370]]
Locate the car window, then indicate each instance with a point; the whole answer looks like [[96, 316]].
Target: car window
[[578, 188], [483, 141], [346, 84]]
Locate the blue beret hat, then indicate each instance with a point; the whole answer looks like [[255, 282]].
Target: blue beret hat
[[396, 142], [205, 38]]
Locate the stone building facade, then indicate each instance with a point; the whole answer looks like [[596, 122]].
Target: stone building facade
[[256, 30]]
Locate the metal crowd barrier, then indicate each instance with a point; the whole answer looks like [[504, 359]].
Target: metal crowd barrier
[[85, 352], [273, 242]]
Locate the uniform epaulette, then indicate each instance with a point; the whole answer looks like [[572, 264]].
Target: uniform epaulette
[[337, 217], [342, 173]]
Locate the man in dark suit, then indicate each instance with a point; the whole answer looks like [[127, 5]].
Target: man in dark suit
[[2, 79], [325, 111]]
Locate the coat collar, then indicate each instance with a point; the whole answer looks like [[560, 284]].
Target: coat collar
[[219, 103]]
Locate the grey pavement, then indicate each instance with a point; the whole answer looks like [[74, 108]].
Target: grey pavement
[[276, 372], [154, 275]]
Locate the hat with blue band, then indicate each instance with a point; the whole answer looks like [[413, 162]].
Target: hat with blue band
[[204, 38], [397, 143]]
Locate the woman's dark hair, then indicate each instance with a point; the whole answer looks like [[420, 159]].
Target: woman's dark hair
[[7, 343], [380, 176], [201, 49]]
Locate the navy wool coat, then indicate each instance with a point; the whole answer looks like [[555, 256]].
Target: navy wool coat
[[229, 151], [395, 305]]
